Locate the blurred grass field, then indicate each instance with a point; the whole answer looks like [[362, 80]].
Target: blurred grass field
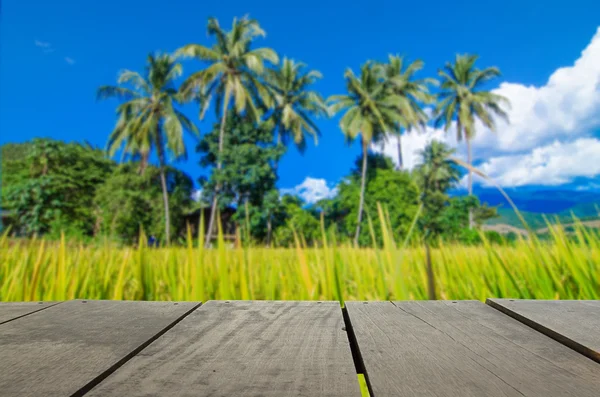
[[564, 267]]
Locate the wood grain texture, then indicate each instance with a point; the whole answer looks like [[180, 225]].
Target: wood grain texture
[[244, 348], [574, 323], [61, 350], [441, 348], [10, 311]]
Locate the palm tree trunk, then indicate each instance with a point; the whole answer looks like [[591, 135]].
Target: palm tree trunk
[[143, 163], [400, 163], [362, 194], [469, 161], [213, 208], [269, 231], [430, 275], [163, 182], [275, 167]]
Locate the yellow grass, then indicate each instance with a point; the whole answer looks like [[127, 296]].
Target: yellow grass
[[35, 270]]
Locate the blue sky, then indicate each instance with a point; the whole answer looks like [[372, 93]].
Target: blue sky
[[54, 55]]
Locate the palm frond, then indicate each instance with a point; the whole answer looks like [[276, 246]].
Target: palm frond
[[199, 52], [108, 91], [135, 79]]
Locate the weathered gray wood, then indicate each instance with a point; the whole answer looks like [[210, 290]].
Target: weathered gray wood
[[10, 311], [68, 347], [438, 348], [574, 323], [244, 348]]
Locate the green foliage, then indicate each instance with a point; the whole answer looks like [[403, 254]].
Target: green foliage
[[292, 217], [443, 216], [56, 187], [247, 176], [53, 183], [12, 152], [435, 175], [396, 192], [248, 156], [126, 202], [129, 200], [455, 216]]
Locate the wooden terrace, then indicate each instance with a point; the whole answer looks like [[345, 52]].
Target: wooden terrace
[[278, 349]]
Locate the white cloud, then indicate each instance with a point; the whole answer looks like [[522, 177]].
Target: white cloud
[[550, 138], [46, 47], [566, 107], [312, 190], [412, 143], [554, 164], [42, 44], [197, 195], [70, 61]]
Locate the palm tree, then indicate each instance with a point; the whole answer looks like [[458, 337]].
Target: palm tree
[[436, 168], [148, 118], [370, 112], [233, 75], [295, 104], [435, 175], [411, 93], [463, 99]]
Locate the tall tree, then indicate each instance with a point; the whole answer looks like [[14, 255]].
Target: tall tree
[[435, 175], [233, 76], [128, 200], [247, 176], [49, 185], [148, 118], [395, 191], [370, 111], [463, 99], [295, 105], [411, 93]]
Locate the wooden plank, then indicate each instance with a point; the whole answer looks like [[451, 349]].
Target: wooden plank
[[68, 348], [244, 348], [10, 311], [438, 348], [574, 323]]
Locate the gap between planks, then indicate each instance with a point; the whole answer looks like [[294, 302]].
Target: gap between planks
[[97, 380], [48, 305], [359, 363], [560, 338]]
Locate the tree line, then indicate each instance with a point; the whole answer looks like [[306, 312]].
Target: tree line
[[264, 105], [51, 187]]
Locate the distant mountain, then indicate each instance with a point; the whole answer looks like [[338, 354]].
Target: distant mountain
[[534, 204], [542, 200], [584, 211]]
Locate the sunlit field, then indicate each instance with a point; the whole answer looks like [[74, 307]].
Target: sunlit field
[[566, 267]]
